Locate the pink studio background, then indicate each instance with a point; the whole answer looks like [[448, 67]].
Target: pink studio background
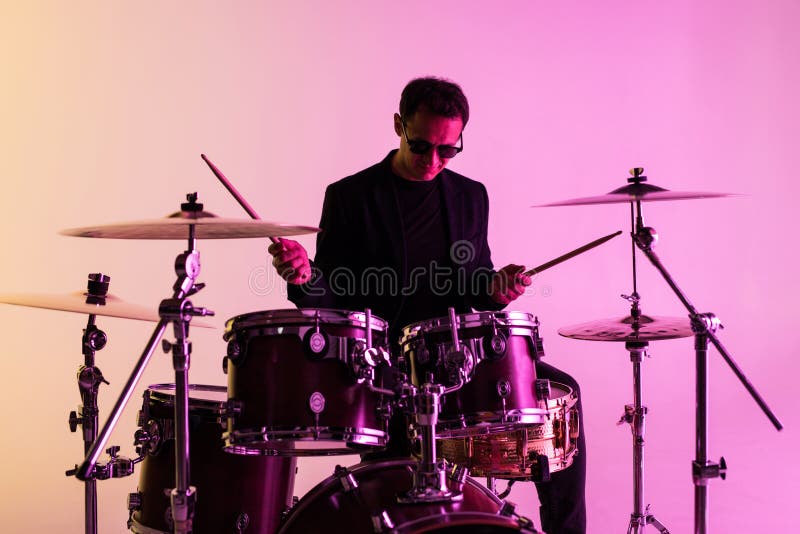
[[107, 106]]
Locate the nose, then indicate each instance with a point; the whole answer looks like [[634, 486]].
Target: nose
[[431, 157]]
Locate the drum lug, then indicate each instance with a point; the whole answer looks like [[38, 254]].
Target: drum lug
[[134, 505], [233, 407], [134, 501], [147, 440], [574, 424], [503, 389], [459, 476], [381, 522], [384, 412], [316, 402], [144, 414], [242, 522], [508, 509], [346, 478], [542, 389], [538, 344], [315, 344], [288, 510], [540, 467], [494, 347], [237, 350], [421, 353]]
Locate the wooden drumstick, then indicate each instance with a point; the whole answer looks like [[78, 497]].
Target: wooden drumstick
[[232, 190], [572, 254]]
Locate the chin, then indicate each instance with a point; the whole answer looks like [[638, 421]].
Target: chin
[[428, 174]]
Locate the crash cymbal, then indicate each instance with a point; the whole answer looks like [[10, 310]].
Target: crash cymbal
[[207, 226], [634, 195], [646, 328], [112, 306], [636, 190]]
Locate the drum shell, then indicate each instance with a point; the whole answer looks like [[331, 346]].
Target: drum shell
[[501, 389], [275, 378], [328, 505], [227, 485], [508, 454]]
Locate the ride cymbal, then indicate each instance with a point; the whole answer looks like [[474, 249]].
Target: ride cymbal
[[645, 328]]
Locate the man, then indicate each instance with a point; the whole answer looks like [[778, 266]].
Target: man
[[408, 239]]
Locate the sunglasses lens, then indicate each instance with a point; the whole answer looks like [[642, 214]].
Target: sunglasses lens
[[419, 147], [446, 151]]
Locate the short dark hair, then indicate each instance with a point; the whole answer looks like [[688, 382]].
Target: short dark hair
[[438, 95]]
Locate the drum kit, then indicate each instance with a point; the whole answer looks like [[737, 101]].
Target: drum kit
[[312, 382]]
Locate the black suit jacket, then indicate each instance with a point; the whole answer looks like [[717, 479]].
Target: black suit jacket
[[362, 241]]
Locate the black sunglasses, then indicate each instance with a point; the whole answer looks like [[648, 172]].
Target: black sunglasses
[[419, 146]]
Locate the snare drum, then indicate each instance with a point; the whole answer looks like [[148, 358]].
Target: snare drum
[[234, 493], [498, 353], [531, 452], [363, 499], [295, 378]]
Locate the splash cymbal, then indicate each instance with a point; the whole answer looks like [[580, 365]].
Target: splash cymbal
[[109, 306], [176, 226], [646, 328]]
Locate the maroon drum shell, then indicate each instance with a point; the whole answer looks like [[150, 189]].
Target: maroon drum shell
[[275, 380], [227, 485], [479, 400], [328, 508]]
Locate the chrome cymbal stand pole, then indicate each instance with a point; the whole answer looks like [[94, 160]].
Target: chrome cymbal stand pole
[[89, 379], [178, 310], [183, 496], [704, 326], [635, 415]]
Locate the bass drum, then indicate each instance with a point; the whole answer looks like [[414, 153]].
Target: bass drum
[[363, 499]]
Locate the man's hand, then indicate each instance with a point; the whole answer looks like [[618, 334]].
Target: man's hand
[[509, 283], [290, 260]]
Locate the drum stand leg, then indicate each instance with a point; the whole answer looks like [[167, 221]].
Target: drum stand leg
[[635, 415]]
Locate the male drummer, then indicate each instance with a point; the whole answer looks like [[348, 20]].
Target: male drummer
[[408, 239]]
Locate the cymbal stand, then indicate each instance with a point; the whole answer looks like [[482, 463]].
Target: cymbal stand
[[89, 379], [704, 325], [179, 311], [635, 415]]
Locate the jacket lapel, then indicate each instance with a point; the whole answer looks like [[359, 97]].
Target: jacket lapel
[[389, 216], [454, 208]]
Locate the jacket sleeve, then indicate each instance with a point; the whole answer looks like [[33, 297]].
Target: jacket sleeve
[[332, 247], [483, 270]]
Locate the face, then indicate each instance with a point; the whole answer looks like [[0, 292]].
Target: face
[[424, 126]]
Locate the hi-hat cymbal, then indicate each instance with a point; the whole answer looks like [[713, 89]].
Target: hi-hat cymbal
[[646, 328], [207, 226], [76, 302]]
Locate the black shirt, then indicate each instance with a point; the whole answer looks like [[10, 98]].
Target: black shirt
[[428, 284]]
